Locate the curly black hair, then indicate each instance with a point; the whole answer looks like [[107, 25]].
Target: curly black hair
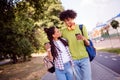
[[67, 14]]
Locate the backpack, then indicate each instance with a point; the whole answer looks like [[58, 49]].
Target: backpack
[[90, 49], [49, 64]]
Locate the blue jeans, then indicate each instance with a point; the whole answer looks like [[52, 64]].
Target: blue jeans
[[66, 74], [83, 69]]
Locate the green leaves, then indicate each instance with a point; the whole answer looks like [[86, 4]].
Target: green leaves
[[114, 24], [21, 26]]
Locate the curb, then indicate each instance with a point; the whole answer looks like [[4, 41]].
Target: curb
[[109, 70]]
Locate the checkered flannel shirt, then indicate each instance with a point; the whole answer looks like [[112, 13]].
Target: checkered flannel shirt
[[58, 61]]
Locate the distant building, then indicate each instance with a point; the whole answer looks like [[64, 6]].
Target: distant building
[[103, 28], [111, 30]]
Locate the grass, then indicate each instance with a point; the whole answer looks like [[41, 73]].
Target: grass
[[111, 50]]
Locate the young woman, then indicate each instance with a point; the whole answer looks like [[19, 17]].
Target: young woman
[[60, 54]]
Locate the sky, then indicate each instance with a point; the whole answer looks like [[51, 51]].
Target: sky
[[92, 12]]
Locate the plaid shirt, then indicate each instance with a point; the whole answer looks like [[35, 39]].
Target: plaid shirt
[[59, 61]]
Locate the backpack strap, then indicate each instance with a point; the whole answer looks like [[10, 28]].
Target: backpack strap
[[80, 27]]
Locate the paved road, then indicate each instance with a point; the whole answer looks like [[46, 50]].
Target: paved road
[[99, 72], [109, 60]]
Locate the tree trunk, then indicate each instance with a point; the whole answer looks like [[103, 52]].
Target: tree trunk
[[14, 58], [110, 39], [118, 34], [24, 58]]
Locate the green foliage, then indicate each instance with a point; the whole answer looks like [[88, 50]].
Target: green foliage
[[112, 50], [21, 27], [51, 14], [24, 46], [115, 24], [6, 12]]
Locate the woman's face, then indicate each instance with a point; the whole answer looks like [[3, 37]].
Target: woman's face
[[69, 22], [57, 33]]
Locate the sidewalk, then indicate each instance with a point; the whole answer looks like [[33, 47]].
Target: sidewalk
[[99, 72]]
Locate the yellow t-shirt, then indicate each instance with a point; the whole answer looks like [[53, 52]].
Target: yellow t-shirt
[[77, 48]]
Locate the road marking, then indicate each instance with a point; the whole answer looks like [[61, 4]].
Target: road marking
[[113, 56], [106, 57], [114, 59], [106, 68], [100, 55]]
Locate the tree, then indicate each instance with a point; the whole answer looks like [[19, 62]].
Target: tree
[[21, 21], [115, 25]]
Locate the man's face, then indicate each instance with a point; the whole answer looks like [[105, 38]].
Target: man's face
[[69, 22]]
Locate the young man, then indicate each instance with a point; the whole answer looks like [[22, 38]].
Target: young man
[[77, 44]]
